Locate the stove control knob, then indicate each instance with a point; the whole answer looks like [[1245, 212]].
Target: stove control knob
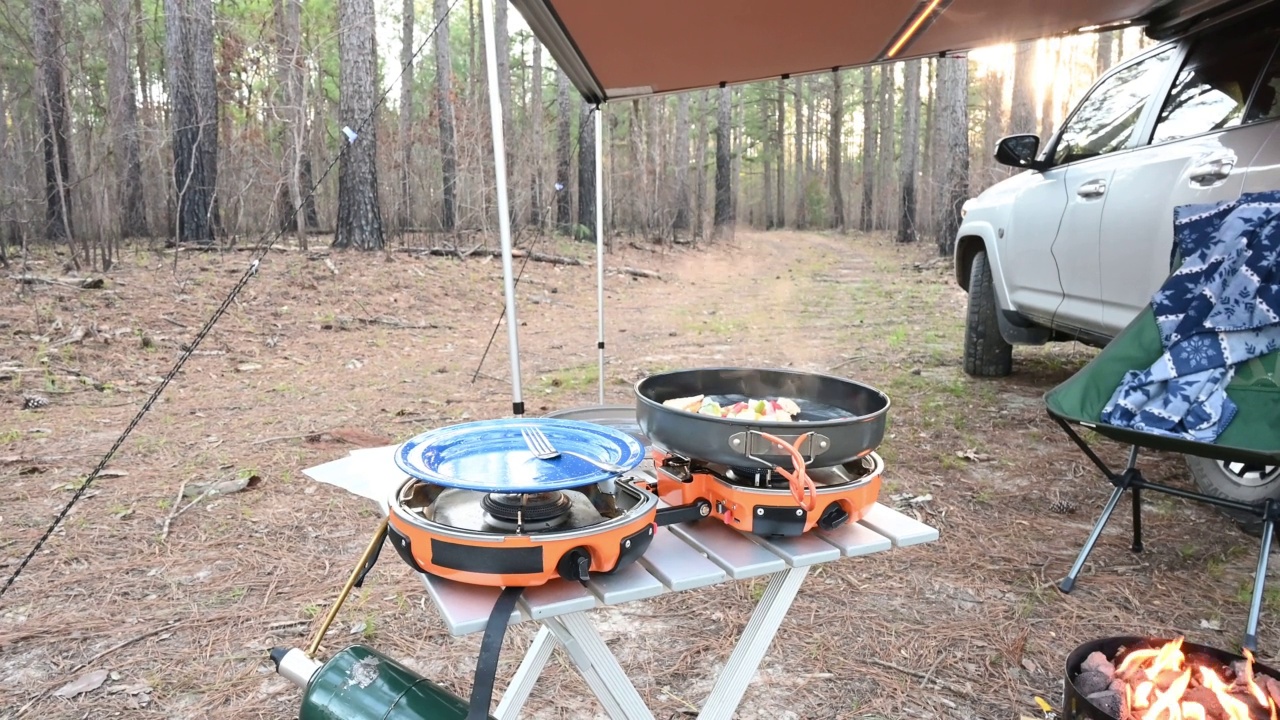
[[833, 517], [575, 565]]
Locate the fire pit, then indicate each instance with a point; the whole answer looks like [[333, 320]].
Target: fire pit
[[1135, 678]]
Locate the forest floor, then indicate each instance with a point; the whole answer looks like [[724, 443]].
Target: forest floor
[[324, 352]]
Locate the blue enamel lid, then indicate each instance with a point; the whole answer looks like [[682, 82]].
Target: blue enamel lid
[[491, 455]]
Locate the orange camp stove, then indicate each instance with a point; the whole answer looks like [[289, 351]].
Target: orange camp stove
[[525, 539], [772, 501]]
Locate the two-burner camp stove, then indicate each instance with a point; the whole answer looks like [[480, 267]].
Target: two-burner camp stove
[[480, 506]]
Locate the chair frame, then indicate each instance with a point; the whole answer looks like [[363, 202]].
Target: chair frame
[[1131, 480]]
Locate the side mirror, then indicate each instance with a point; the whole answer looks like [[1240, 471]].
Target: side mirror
[[1019, 151]]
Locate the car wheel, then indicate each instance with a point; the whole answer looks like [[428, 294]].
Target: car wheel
[[1242, 482], [986, 354]]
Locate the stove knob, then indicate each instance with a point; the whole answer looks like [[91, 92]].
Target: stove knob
[[575, 565], [833, 517]]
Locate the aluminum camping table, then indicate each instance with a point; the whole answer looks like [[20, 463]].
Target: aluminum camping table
[[680, 558]]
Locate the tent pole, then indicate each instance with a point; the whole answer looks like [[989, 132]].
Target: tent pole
[[600, 241], [504, 217]]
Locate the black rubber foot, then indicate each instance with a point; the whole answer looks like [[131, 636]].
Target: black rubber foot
[[1136, 547], [1067, 585], [1251, 643], [277, 654]]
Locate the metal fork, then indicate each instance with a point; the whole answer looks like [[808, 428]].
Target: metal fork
[[542, 449]]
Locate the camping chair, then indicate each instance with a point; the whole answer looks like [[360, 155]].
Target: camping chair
[[1252, 436]]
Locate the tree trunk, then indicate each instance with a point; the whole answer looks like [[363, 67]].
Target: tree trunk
[[1104, 57], [587, 171], [834, 150], [1053, 54], [293, 110], [884, 149], [724, 182], [986, 168], [140, 29], [680, 219], [359, 212], [802, 216], [1022, 110], [928, 215], [404, 218], [564, 153], [535, 119], [123, 111], [193, 117], [780, 140], [910, 150], [866, 220], [445, 116], [51, 97], [953, 126], [766, 157], [700, 162]]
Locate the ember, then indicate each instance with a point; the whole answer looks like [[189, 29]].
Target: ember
[[1166, 683]]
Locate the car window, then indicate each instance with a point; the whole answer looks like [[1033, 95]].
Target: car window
[[1265, 104], [1105, 120], [1216, 79]]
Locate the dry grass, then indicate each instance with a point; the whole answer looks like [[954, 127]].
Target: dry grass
[[970, 626]]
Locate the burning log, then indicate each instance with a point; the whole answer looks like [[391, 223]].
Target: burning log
[[1168, 683]]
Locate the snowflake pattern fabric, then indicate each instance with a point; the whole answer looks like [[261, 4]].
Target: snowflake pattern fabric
[[1221, 308]]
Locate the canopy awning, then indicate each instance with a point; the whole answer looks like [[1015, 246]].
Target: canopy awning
[[613, 50]]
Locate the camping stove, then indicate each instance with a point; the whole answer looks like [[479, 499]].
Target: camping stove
[[520, 539], [761, 501]]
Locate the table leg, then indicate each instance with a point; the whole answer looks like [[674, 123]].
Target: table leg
[[598, 667], [526, 676], [756, 638]]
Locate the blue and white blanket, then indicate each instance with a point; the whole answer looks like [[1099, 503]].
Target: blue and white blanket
[[1221, 308]]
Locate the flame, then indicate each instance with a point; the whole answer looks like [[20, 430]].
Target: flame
[[1156, 680]]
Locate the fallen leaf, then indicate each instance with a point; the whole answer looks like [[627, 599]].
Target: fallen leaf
[[359, 627], [240, 482], [1030, 665], [136, 688], [973, 456], [1211, 624], [85, 683], [246, 367]]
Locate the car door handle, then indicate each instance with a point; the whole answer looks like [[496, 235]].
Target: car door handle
[[1092, 189], [1212, 169]]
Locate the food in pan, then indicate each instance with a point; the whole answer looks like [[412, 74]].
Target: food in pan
[[772, 410]]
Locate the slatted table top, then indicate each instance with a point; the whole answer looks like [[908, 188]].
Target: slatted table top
[[681, 557]]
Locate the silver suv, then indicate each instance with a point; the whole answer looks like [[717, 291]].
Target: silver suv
[[1074, 247]]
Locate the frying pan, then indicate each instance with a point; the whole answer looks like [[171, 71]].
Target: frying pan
[[846, 418]]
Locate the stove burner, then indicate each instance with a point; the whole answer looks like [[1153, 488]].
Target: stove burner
[[755, 477], [526, 512], [771, 478]]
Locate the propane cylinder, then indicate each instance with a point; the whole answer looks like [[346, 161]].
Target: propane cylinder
[[360, 683]]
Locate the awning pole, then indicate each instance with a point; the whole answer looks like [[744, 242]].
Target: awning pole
[[600, 240], [504, 218]]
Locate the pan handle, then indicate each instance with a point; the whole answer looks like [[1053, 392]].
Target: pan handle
[[803, 490], [753, 443]]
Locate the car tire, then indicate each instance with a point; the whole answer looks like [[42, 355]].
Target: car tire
[[986, 354], [1236, 481]]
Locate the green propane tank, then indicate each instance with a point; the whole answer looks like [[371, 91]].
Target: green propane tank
[[359, 683]]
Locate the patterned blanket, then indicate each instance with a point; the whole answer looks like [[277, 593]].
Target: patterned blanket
[[1219, 309]]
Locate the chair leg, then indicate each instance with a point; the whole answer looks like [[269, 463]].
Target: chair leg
[[1137, 520], [1260, 577], [1069, 582]]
